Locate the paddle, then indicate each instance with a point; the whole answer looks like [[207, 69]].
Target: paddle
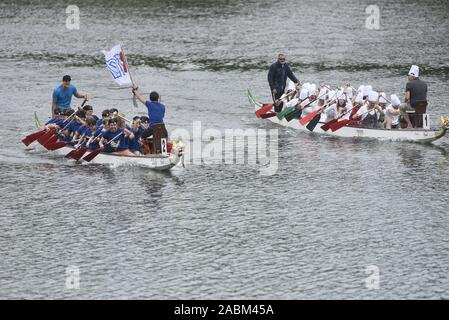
[[50, 140], [33, 137], [312, 124], [78, 153], [55, 145], [268, 106], [342, 123], [328, 124], [265, 108], [54, 138], [50, 137], [43, 139], [268, 115], [311, 115], [95, 153]]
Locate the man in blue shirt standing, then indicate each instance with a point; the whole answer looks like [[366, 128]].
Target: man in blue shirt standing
[[62, 95], [156, 111]]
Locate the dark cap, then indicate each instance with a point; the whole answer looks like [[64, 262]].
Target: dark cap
[[105, 113], [66, 78], [65, 112], [113, 120], [87, 107]]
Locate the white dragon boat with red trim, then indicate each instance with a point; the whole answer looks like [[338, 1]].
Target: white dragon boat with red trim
[[423, 135]]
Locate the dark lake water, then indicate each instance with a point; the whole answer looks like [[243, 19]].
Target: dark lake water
[[334, 210]]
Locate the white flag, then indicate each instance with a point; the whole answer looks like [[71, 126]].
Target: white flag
[[117, 66]]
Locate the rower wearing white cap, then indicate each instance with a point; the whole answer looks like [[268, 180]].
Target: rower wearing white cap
[[322, 96], [370, 111], [337, 108], [366, 91], [392, 113], [313, 106], [383, 105], [358, 103], [415, 92], [297, 101]]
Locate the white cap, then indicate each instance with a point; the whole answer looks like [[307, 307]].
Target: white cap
[[312, 90], [303, 94], [395, 100], [322, 93], [373, 96], [331, 95], [414, 71], [367, 90], [349, 92], [340, 95], [291, 86], [359, 97], [360, 89], [306, 86], [382, 97]]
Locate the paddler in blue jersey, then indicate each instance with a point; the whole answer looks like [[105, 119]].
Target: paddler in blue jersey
[[156, 111]]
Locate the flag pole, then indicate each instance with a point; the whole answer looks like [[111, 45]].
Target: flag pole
[[130, 75]]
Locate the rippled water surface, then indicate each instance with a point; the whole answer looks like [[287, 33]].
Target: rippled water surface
[[334, 208]]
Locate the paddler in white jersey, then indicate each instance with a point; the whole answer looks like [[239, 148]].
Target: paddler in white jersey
[[392, 113], [336, 108], [322, 96], [296, 101], [370, 111], [383, 105], [313, 106]]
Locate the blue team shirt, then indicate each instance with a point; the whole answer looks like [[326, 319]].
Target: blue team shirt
[[156, 112], [63, 97], [56, 121], [98, 134], [134, 144], [82, 130], [118, 144]]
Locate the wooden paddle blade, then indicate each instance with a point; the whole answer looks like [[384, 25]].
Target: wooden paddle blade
[[44, 138], [71, 153], [92, 155], [296, 114], [265, 108], [312, 124], [327, 125], [308, 117], [55, 145], [50, 141], [79, 153], [268, 115], [32, 137], [339, 124], [285, 112]]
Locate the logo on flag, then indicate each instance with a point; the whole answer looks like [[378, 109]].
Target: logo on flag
[[117, 66]]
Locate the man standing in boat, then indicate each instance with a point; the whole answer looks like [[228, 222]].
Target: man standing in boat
[[277, 78], [62, 95], [156, 111], [415, 95]]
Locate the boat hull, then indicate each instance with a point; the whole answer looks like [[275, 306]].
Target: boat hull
[[155, 162], [412, 135]]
